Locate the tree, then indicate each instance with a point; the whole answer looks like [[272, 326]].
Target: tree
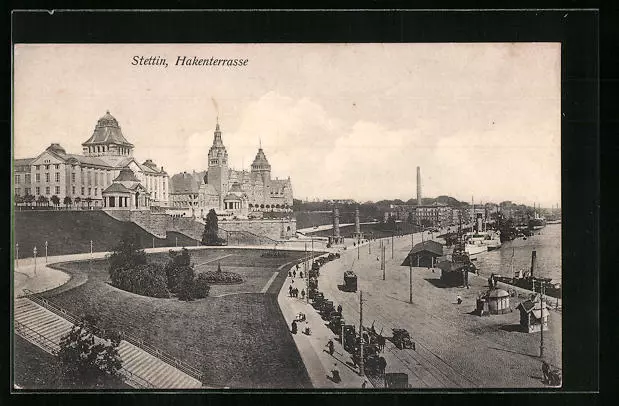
[[18, 199], [128, 253], [85, 359], [211, 228], [42, 200], [67, 201], [55, 200], [391, 223], [88, 201], [77, 200], [28, 199]]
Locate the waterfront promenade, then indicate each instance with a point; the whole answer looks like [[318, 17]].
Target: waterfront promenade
[[454, 348]]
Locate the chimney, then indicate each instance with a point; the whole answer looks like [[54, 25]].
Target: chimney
[[418, 186]]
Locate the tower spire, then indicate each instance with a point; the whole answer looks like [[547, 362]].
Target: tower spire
[[259, 143]]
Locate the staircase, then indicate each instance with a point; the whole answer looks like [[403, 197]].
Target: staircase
[[140, 369]]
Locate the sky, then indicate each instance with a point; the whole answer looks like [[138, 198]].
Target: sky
[[483, 121]]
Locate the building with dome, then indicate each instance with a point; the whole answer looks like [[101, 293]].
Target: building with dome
[[230, 192], [102, 175]]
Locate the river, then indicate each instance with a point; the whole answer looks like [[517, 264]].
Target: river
[[548, 247]]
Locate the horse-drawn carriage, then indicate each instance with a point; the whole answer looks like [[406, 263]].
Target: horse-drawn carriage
[[402, 339], [326, 309], [349, 338], [336, 321], [317, 299]]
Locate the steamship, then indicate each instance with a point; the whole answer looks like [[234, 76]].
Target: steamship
[[526, 280]]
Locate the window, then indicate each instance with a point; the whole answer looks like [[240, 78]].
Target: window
[[89, 177], [89, 191], [17, 191], [57, 176], [27, 191], [46, 190], [57, 166], [96, 178], [95, 191], [73, 177], [17, 179], [82, 190], [57, 190], [73, 190], [27, 178], [47, 177], [46, 167], [38, 190], [37, 167]]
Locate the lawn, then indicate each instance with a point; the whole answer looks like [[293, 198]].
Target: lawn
[[240, 341], [70, 232]]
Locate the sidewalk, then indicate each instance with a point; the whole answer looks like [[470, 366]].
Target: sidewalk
[[313, 348]]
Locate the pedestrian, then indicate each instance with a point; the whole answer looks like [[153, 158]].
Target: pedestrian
[[290, 274], [330, 346], [339, 309], [336, 374], [302, 293], [301, 274], [294, 327], [364, 384], [290, 290], [545, 371], [294, 274], [297, 267], [459, 299]]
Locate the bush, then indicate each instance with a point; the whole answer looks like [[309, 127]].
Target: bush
[[178, 264], [201, 287], [221, 277], [146, 280]]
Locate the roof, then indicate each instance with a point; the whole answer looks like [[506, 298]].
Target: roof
[[236, 187], [535, 307], [90, 160], [260, 161], [430, 246], [126, 175], [22, 161], [116, 188], [448, 266], [232, 196], [107, 131], [184, 183], [496, 293]]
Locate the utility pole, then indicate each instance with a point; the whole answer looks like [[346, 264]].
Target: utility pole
[[392, 245], [383, 261], [358, 248], [90, 249], [153, 242], [17, 254], [34, 251], [541, 344], [176, 242], [46, 252], [410, 278], [305, 260], [361, 369]]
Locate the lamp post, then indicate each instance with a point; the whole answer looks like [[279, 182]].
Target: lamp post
[[176, 242], [46, 252], [90, 249], [34, 251], [410, 278], [541, 344], [17, 254]]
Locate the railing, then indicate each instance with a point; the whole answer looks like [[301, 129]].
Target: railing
[[52, 348], [34, 336], [165, 357]]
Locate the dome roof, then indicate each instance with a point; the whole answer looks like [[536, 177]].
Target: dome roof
[[236, 187], [231, 196], [498, 293], [107, 131], [57, 148], [126, 175], [260, 162]]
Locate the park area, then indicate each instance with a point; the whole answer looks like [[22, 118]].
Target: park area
[[237, 336]]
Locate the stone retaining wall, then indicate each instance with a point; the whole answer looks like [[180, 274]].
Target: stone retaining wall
[[242, 231]]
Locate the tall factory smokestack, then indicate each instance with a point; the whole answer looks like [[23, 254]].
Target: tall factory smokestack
[[418, 186]]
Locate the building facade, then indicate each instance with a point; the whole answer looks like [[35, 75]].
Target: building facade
[[229, 191], [83, 178]]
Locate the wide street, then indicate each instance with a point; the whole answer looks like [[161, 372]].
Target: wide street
[[454, 348]]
